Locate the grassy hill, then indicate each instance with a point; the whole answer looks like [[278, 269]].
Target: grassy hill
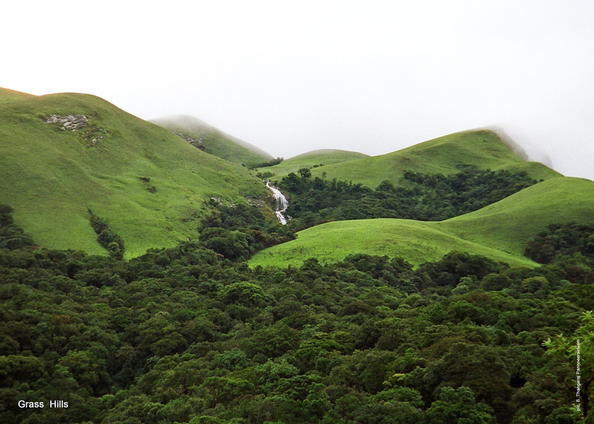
[[508, 224], [481, 148], [498, 231], [145, 181], [312, 159], [215, 141]]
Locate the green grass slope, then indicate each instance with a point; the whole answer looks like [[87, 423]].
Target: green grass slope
[[215, 141], [415, 241], [7, 96], [508, 224], [50, 177], [498, 231], [481, 148], [312, 159]]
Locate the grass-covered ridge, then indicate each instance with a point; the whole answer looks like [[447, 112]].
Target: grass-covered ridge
[[313, 159], [508, 224], [146, 182], [415, 241], [499, 231], [214, 141], [444, 155]]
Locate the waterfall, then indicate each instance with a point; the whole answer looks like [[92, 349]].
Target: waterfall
[[281, 202]]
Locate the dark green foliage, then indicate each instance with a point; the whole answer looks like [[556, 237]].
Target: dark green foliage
[[423, 197], [186, 335], [454, 266], [562, 239], [149, 187], [111, 241], [11, 235], [264, 175], [458, 405], [237, 231], [271, 162]]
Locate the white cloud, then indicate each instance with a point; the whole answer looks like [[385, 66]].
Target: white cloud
[[372, 76]]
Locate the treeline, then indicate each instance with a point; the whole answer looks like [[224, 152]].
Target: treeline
[[266, 164], [185, 335], [11, 235], [238, 231], [425, 197], [106, 237], [562, 240]]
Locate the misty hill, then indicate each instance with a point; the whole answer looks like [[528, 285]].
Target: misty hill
[[313, 159], [148, 183], [483, 149], [499, 231], [213, 140]]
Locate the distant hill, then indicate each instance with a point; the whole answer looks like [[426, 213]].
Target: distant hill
[[499, 231], [148, 183], [311, 159], [481, 148], [215, 141]]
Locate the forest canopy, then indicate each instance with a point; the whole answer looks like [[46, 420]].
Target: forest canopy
[[192, 335]]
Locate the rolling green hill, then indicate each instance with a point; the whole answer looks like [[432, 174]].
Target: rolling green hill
[[481, 148], [312, 159], [215, 141], [498, 231], [145, 181], [508, 224]]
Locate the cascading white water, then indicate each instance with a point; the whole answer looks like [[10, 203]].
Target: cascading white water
[[281, 202]]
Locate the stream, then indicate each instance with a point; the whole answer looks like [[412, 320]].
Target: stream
[[281, 203]]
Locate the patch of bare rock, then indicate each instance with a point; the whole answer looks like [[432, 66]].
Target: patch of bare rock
[[68, 122]]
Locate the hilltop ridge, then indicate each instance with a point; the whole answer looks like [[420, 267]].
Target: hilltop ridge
[[214, 141], [149, 184], [481, 148], [312, 159]]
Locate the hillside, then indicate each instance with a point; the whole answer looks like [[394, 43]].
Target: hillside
[[311, 159], [215, 141], [145, 181], [508, 224], [415, 241], [498, 231], [481, 148]]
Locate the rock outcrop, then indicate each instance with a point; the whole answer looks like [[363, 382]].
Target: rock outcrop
[[68, 122], [198, 143], [92, 134]]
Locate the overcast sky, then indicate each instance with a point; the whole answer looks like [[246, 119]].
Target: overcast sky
[[293, 76]]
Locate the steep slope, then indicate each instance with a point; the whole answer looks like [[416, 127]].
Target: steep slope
[[145, 181], [215, 141], [499, 231], [481, 148], [311, 159]]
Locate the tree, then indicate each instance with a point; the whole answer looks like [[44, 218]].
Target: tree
[[566, 346], [456, 406]]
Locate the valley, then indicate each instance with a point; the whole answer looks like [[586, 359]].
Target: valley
[[166, 272]]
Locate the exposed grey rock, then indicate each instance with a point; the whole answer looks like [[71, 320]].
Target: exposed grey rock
[[196, 142], [68, 122], [93, 135]]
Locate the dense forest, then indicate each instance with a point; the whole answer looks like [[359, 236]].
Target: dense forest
[[424, 197], [192, 335]]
